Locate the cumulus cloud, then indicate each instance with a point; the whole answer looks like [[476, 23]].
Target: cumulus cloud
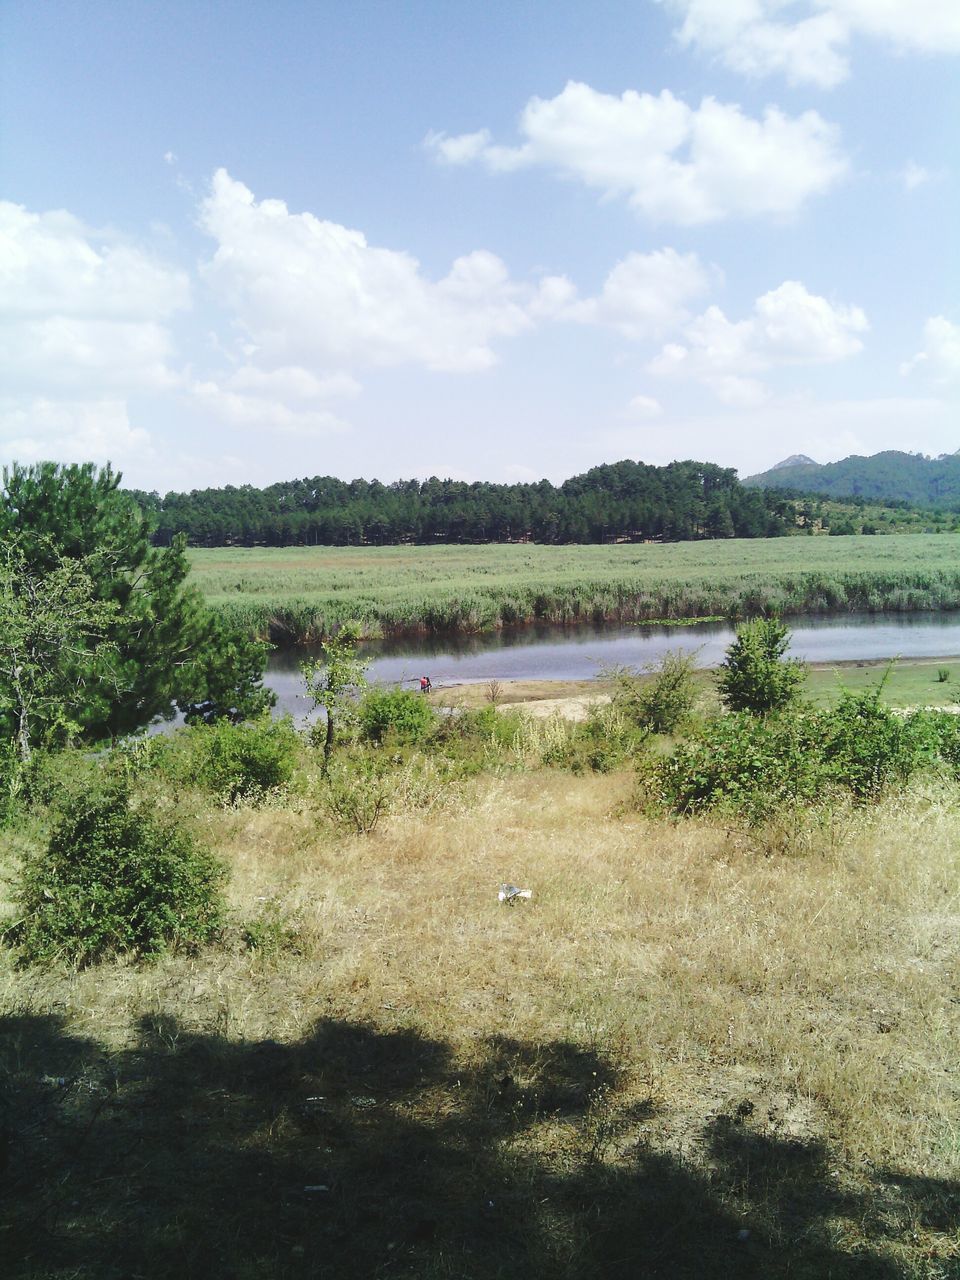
[[788, 326], [312, 293], [82, 310], [645, 407], [96, 430], [645, 295], [808, 42], [672, 162], [940, 357], [289, 399]]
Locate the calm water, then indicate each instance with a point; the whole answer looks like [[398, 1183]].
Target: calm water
[[579, 653]]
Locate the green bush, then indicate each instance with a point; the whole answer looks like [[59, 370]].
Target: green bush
[[114, 879], [756, 766], [867, 748], [754, 676], [403, 715], [232, 761], [742, 764], [660, 697]]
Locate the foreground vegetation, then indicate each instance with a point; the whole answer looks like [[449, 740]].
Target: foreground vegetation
[[299, 594], [712, 1045]]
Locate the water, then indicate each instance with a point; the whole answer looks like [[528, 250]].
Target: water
[[579, 653]]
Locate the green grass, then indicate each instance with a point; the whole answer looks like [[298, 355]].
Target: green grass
[[296, 594]]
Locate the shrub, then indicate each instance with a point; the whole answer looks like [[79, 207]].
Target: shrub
[[405, 716], [754, 676], [233, 761], [357, 797], [114, 879], [664, 700], [740, 763], [866, 747]]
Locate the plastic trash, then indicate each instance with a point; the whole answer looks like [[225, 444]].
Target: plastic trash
[[510, 893]]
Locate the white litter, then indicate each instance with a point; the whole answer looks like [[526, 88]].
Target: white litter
[[510, 893]]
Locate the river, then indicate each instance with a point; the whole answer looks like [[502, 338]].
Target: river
[[579, 653]]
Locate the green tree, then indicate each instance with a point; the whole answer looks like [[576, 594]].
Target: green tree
[[166, 646], [335, 680], [51, 624], [755, 676]]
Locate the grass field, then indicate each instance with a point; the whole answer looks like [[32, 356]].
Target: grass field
[[297, 594], [682, 1058]]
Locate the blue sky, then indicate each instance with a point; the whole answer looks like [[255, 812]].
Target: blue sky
[[244, 242]]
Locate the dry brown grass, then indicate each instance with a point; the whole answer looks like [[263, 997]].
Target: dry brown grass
[[771, 1037]]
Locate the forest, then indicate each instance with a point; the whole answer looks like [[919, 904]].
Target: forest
[[629, 501]]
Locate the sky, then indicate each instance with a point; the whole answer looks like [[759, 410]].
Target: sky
[[502, 240]]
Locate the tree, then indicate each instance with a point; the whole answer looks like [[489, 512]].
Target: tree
[[754, 676], [165, 645], [334, 681], [51, 624]]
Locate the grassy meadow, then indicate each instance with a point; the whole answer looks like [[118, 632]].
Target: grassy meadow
[[685, 1056], [296, 594]]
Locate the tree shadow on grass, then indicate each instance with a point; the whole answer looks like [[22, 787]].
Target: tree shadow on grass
[[362, 1153]]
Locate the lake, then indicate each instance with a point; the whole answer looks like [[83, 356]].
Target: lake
[[579, 653]]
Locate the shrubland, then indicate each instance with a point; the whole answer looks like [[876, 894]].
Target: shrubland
[[264, 1016]]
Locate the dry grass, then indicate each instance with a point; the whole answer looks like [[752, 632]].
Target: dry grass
[[677, 1039]]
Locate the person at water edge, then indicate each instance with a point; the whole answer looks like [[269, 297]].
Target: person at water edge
[[425, 685]]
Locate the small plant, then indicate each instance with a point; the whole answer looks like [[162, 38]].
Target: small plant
[[270, 932], [943, 675], [494, 691], [357, 798], [115, 879]]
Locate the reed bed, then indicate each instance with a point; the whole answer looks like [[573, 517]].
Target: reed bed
[[296, 595]]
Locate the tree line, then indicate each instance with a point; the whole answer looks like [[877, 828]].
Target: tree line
[[624, 500]]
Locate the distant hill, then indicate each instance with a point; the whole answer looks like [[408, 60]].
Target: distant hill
[[883, 477], [795, 460]]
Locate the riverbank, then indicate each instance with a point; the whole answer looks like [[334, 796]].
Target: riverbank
[[294, 596], [907, 684]]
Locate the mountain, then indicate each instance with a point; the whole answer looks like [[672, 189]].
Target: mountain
[[795, 460], [884, 477]]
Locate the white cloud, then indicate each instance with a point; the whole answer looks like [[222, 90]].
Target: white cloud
[[288, 399], [37, 429], [81, 310], [789, 326], [645, 407], [52, 264], [312, 293], [940, 357], [646, 294], [672, 162], [914, 175], [808, 41]]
